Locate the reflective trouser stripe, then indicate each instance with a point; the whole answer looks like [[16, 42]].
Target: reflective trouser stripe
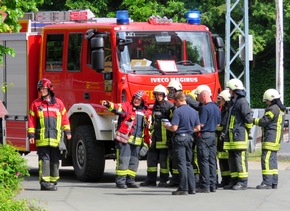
[[44, 170], [269, 167], [238, 164]]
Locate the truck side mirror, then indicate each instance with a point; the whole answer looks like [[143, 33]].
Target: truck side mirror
[[97, 54], [220, 52]]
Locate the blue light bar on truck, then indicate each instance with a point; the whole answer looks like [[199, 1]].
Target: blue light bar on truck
[[193, 17], [122, 17]]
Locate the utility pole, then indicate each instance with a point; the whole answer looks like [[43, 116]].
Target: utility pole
[[237, 56], [279, 49]]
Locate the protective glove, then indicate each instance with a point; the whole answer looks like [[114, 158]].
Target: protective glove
[[106, 103], [143, 151], [222, 136]]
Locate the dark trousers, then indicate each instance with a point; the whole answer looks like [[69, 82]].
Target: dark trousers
[[127, 163], [206, 149], [48, 160], [223, 158], [182, 152], [269, 167], [154, 157], [238, 163]]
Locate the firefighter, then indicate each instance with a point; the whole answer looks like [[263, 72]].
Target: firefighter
[[175, 86], [223, 155], [210, 118], [132, 137], [272, 123], [158, 150], [236, 135], [47, 119]]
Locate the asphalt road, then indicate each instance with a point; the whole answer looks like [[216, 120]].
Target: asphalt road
[[74, 195]]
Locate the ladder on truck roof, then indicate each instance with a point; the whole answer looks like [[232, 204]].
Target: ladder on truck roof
[[37, 20]]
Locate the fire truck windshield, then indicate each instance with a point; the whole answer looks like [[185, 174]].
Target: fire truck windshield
[[190, 52]]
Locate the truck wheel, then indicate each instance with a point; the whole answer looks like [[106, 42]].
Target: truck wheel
[[88, 154]]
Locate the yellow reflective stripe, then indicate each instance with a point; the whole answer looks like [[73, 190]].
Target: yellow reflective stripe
[[225, 173], [44, 142], [121, 172], [131, 173], [234, 174], [271, 146], [31, 113], [267, 172], [58, 125], [270, 114], [244, 173], [164, 171], [63, 111], [256, 121], [42, 125], [117, 158], [152, 169], [175, 171], [223, 155], [135, 140], [66, 127], [111, 106], [54, 179], [219, 128], [249, 125], [31, 130], [236, 145], [244, 164], [267, 160], [275, 171]]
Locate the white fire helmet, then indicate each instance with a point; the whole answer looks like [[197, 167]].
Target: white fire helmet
[[270, 95], [160, 89], [235, 84], [225, 94], [175, 84], [201, 88]]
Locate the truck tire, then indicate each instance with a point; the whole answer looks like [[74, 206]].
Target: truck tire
[[88, 155]]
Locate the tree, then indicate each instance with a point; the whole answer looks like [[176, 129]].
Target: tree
[[14, 9]]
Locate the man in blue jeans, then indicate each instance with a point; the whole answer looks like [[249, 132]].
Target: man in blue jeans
[[184, 123]]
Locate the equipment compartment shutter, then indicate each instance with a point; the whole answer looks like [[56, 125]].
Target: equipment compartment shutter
[[16, 70]]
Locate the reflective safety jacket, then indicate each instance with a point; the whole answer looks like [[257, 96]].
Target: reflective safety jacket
[[133, 123], [240, 122], [46, 122], [160, 136], [272, 124]]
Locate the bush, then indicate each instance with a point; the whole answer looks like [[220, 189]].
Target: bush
[[13, 169]]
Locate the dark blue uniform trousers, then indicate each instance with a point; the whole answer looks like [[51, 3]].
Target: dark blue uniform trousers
[[182, 152], [206, 151]]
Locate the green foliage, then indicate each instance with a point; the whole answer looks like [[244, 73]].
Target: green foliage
[[13, 169]]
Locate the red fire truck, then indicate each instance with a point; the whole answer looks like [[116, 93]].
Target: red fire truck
[[92, 59]]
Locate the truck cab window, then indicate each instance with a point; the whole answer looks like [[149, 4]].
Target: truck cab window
[[54, 52], [74, 52]]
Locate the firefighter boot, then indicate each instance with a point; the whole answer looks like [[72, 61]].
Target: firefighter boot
[[264, 186], [47, 186]]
